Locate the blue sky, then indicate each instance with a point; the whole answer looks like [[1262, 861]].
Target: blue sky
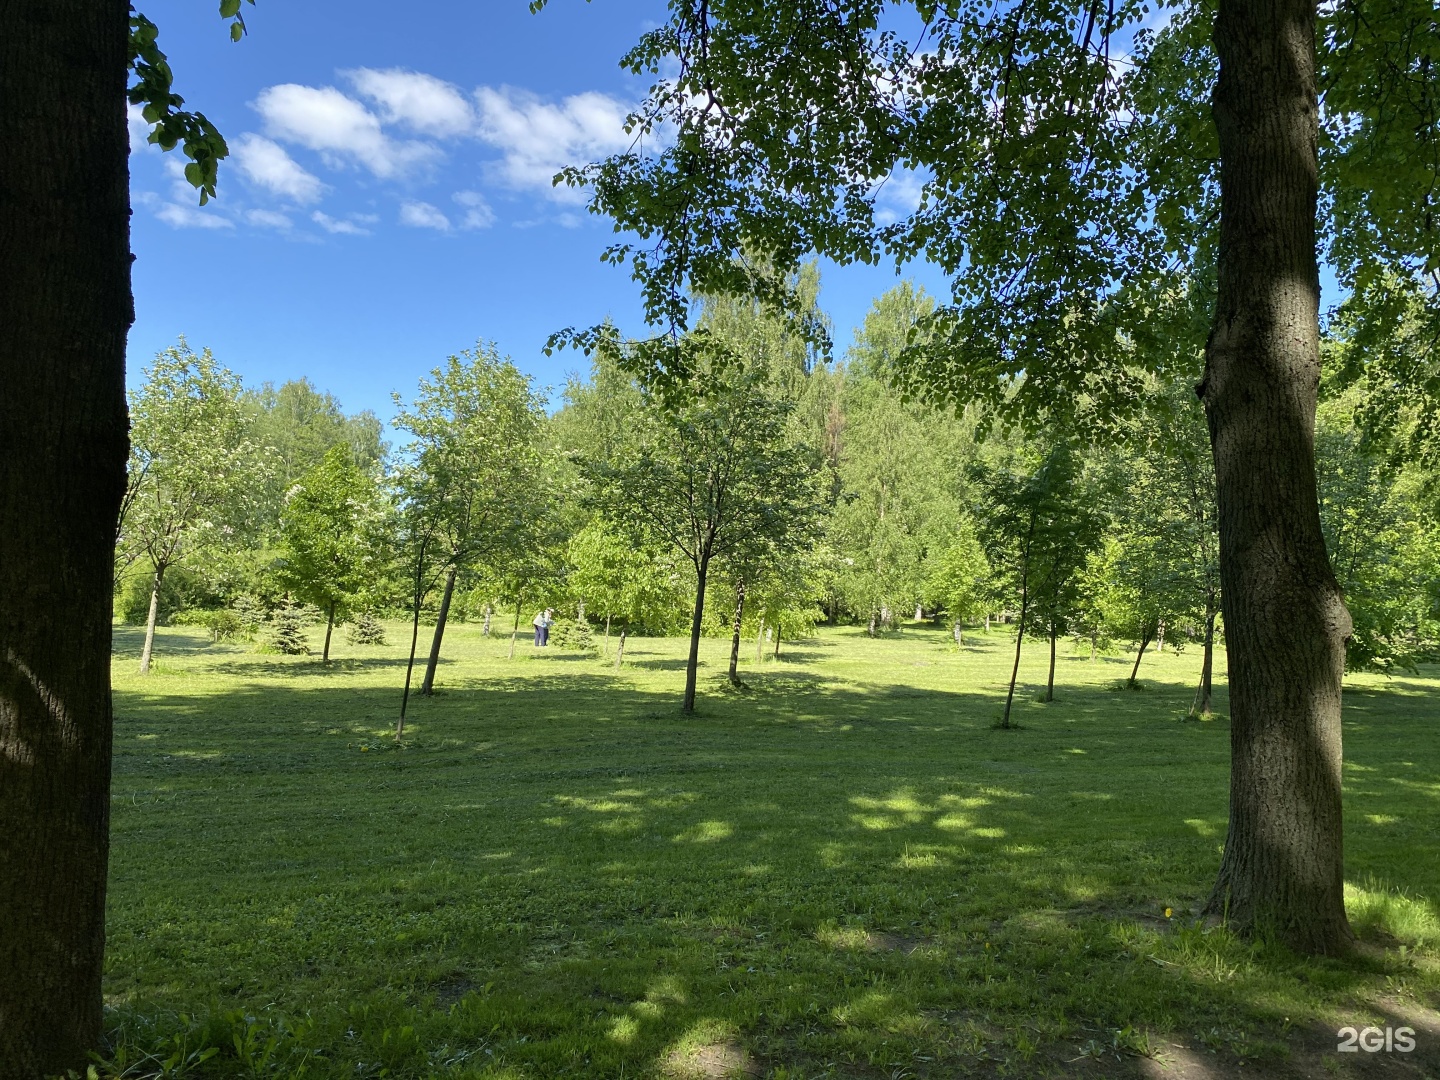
[[388, 201]]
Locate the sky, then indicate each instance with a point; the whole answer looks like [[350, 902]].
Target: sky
[[388, 199]]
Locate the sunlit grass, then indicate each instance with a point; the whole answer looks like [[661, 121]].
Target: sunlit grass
[[840, 870]]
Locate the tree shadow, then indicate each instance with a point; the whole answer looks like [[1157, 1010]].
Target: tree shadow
[[818, 869]]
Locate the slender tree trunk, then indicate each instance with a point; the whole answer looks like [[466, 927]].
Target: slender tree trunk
[[987, 624], [1145, 639], [692, 665], [959, 636], [1203, 692], [419, 595], [605, 648], [735, 637], [485, 626], [329, 626], [777, 641], [515, 633], [871, 628], [760, 642], [1019, 637], [620, 650], [64, 311], [1160, 638], [149, 648], [1050, 682], [1283, 868], [427, 687], [1093, 647]]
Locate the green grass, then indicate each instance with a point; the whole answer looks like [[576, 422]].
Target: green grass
[[841, 871]]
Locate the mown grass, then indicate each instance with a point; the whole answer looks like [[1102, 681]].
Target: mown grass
[[842, 870]]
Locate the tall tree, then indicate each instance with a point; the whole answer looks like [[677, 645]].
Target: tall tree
[[64, 313], [197, 473], [1048, 174], [473, 477]]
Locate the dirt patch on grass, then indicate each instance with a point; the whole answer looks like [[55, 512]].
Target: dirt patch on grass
[[726, 1060]]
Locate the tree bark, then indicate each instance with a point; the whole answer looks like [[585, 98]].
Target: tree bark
[[1203, 692], [64, 310], [148, 650], [427, 687], [605, 648], [485, 626], [329, 627], [692, 664], [1282, 871], [1050, 682], [777, 641], [735, 637], [959, 636], [760, 642], [515, 632], [620, 650], [1019, 637]]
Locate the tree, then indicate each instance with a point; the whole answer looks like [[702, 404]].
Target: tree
[[301, 425], [709, 475], [64, 313], [787, 120], [196, 472], [959, 580], [1042, 527], [326, 528], [474, 477]]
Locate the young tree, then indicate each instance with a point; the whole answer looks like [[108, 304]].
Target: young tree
[[1042, 525], [959, 581], [326, 528], [197, 471], [474, 479], [708, 476]]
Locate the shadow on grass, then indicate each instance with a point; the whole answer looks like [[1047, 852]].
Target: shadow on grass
[[559, 873]]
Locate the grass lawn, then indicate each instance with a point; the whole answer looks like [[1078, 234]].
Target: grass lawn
[[841, 871]]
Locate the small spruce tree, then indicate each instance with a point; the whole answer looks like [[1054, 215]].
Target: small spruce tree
[[365, 630], [287, 630]]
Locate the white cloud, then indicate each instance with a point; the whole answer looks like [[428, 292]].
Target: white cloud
[[429, 105], [181, 216], [478, 214], [139, 128], [267, 165], [335, 225], [421, 215], [324, 119], [539, 138], [268, 219]]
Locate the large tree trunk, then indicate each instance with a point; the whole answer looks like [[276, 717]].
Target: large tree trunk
[[64, 310], [692, 664], [1204, 692], [329, 627], [735, 637], [427, 687], [1286, 624], [148, 649]]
